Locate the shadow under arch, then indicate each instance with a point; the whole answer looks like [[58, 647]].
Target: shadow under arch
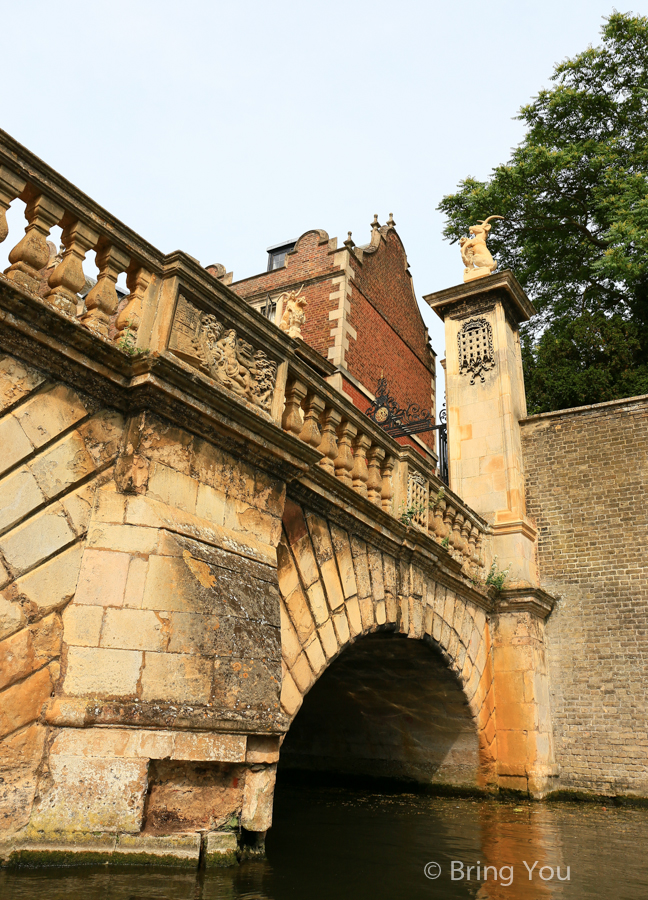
[[385, 708]]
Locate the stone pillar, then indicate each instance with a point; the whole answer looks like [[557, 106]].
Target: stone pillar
[[485, 402]]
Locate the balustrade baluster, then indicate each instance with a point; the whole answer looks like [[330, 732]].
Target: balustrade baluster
[[102, 301], [360, 473], [343, 462], [330, 420], [374, 481], [292, 418], [438, 526], [466, 528], [310, 432], [473, 537], [31, 253], [387, 493], [68, 279], [11, 186], [448, 519], [130, 318], [455, 537]]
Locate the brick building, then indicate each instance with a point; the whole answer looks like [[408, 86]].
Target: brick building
[[361, 315]]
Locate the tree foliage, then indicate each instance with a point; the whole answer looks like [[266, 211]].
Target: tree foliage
[[575, 200]]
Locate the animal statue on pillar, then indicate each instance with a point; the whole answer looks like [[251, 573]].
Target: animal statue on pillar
[[293, 316], [475, 254]]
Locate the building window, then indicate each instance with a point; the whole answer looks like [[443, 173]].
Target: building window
[[267, 308], [277, 255]]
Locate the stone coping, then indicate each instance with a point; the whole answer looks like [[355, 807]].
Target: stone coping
[[520, 305], [581, 410]]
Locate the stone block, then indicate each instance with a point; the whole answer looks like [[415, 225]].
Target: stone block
[[62, 465], [291, 697], [19, 495], [82, 625], [286, 570], [52, 585], [157, 850], [341, 625], [173, 447], [315, 654], [123, 538], [258, 795], [172, 487], [305, 559], [11, 617], [210, 504], [78, 506], [22, 703], [332, 584], [302, 673], [345, 562], [367, 613], [135, 583], [134, 629], [99, 672], [17, 380], [328, 639], [92, 794], [176, 677], [290, 645], [300, 614], [209, 747], [262, 748], [29, 649], [354, 617], [20, 757], [376, 569], [49, 413], [36, 539], [381, 612], [317, 603], [247, 683], [110, 506], [102, 579], [220, 850]]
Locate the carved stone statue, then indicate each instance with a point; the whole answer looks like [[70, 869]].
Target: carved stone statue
[[475, 254], [293, 316]]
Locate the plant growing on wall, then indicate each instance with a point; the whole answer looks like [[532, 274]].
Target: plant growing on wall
[[574, 197]]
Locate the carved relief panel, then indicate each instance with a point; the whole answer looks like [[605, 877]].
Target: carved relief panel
[[476, 349], [203, 341]]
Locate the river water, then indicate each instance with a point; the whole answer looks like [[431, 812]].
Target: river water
[[330, 842]]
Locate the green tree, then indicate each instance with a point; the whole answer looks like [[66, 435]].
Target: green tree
[[575, 200]]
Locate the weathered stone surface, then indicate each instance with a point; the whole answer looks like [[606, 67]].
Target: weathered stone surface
[[102, 579], [91, 794], [221, 849], [20, 755], [11, 617], [257, 799], [36, 539], [99, 672], [157, 850], [29, 649], [178, 677], [19, 495], [134, 629], [17, 380], [22, 703], [243, 684], [53, 584], [186, 796], [82, 625], [50, 412], [140, 743]]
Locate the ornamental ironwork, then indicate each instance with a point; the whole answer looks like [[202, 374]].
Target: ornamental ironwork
[[476, 349], [403, 421]]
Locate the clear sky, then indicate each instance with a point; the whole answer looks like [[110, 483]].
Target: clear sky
[[222, 128]]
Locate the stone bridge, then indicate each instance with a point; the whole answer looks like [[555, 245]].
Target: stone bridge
[[202, 541]]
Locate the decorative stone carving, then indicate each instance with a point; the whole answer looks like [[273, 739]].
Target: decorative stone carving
[[476, 349], [203, 341], [293, 316], [475, 254]]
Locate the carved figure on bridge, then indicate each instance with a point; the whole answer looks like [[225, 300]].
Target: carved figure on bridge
[[293, 316], [475, 254]]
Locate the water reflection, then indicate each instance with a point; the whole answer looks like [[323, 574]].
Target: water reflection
[[354, 845]]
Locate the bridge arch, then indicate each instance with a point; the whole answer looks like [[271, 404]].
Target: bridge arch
[[337, 587]]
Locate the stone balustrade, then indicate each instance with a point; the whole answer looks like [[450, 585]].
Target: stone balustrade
[[52, 201], [176, 307]]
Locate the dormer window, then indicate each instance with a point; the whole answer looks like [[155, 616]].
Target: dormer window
[[277, 255]]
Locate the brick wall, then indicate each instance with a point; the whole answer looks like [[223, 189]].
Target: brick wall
[[587, 477], [391, 337]]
